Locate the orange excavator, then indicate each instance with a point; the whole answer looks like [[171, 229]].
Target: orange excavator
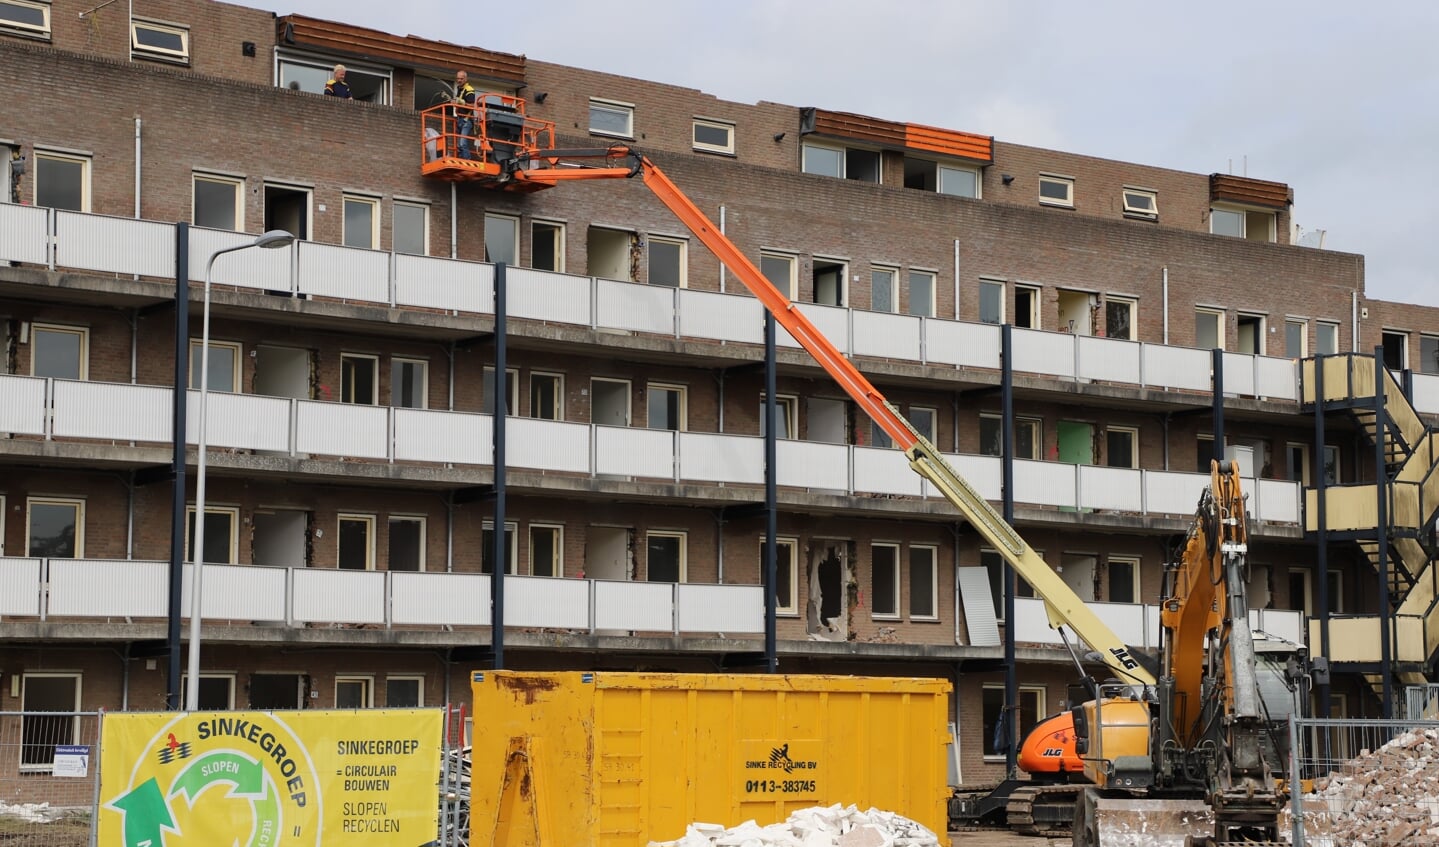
[[1197, 732]]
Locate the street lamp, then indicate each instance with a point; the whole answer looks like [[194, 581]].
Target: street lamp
[[270, 240]]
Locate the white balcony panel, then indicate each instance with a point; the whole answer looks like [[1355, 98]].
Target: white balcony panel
[[546, 296], [647, 606], [979, 618], [711, 457], [1037, 351], [1047, 483], [459, 438], [20, 582], [240, 421], [1284, 623], [1129, 621], [109, 588], [118, 245], [547, 602], [322, 595], [965, 345], [1239, 373], [1108, 359], [345, 273], [22, 403], [440, 599], [984, 473], [1116, 489], [548, 445], [1173, 493], [1277, 379], [1426, 394], [111, 410], [1176, 367], [342, 429], [269, 270], [831, 321], [727, 317], [238, 592], [629, 451], [730, 609], [811, 464], [1031, 623], [24, 234], [885, 470], [640, 308], [887, 336], [1278, 501], [433, 283]]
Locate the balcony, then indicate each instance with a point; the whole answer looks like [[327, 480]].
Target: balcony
[[97, 589], [1138, 626]]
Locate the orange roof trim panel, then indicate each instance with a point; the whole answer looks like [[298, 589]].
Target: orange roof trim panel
[[904, 136], [405, 50]]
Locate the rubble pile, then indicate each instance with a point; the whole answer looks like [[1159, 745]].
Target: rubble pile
[[31, 812], [833, 826], [1387, 796]]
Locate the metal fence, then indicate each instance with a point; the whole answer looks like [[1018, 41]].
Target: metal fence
[[1367, 781], [49, 778], [1421, 702]]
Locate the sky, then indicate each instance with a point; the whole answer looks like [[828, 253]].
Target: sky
[[1339, 100]]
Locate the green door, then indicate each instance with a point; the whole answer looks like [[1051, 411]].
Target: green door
[[1076, 446]]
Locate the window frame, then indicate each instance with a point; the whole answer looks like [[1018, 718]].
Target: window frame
[[1428, 363], [82, 332], [25, 677], [717, 124], [557, 381], [559, 236], [876, 274], [424, 235], [975, 173], [1133, 562], [1321, 329], [234, 182], [512, 546], [682, 245], [197, 352], [790, 543], [933, 551], [514, 222], [989, 285], [230, 678], [423, 522], [1040, 693], [614, 107], [1022, 588], [1133, 304], [558, 565], [512, 390], [417, 678], [79, 505], [1141, 211], [365, 680], [787, 405], [370, 522], [232, 512], [139, 51], [682, 390], [1035, 424], [86, 163], [396, 362], [804, 159], [1133, 433], [373, 204], [385, 93], [933, 278], [875, 612], [791, 289], [683, 537], [1067, 182], [15, 27], [1221, 318], [345, 379], [915, 412], [1303, 325]]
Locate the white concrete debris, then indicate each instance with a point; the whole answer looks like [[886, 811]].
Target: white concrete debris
[[30, 812], [1388, 796], [819, 826]]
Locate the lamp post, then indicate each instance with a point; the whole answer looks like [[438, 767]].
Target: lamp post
[[270, 240]]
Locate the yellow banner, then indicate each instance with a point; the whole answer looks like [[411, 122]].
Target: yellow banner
[[269, 779]]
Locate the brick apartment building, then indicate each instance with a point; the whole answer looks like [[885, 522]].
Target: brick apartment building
[[351, 479]]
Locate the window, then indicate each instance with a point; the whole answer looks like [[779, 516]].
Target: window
[[221, 541], [1026, 306], [358, 379], [1208, 328], [216, 694], [355, 543], [923, 583], [547, 544], [1226, 222], [41, 733], [1296, 462], [547, 392], [1123, 580], [372, 85], [154, 40], [991, 301], [884, 580], [829, 287], [1251, 335], [1119, 317], [611, 253], [407, 543], [666, 406], [1428, 354], [1030, 709], [404, 692], [61, 352], [1026, 436], [713, 136], [1296, 338], [1336, 592], [921, 293], [25, 17], [409, 383], [1141, 203], [62, 181], [354, 692], [878, 437], [780, 271], [216, 202], [55, 528], [1396, 349], [666, 262], [1203, 453], [1121, 447], [1301, 595], [882, 294], [487, 548], [362, 222], [225, 358], [1331, 465], [959, 182], [512, 391], [1326, 338], [842, 162], [994, 564], [608, 117], [1242, 223], [547, 246], [665, 556], [786, 569], [923, 419], [410, 223], [786, 416], [1056, 190], [502, 239]]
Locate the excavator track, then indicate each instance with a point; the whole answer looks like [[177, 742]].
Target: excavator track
[[1044, 810]]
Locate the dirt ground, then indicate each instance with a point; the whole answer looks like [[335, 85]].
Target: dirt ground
[[1001, 838]]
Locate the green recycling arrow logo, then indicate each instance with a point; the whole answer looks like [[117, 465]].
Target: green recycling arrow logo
[[147, 812]]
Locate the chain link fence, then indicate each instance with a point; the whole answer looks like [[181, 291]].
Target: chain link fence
[[49, 778]]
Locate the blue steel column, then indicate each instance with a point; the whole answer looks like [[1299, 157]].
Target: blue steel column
[[1011, 674], [1322, 533], [771, 500], [501, 409], [177, 462], [1381, 489], [1217, 387]]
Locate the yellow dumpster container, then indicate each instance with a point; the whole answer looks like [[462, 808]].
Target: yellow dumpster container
[[619, 759]]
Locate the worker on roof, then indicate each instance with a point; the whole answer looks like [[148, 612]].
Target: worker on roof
[[337, 87], [463, 111]]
